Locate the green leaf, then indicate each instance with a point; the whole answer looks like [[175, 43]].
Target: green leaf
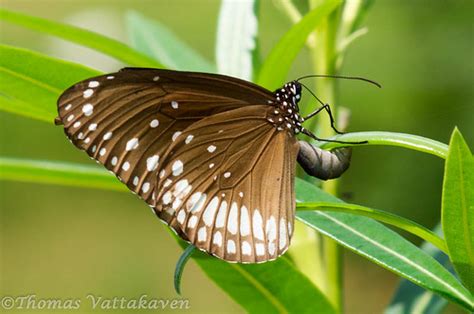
[[59, 173], [272, 287], [410, 298], [458, 208], [278, 62], [236, 44], [30, 83], [409, 141], [380, 215], [158, 42], [381, 245], [106, 45]]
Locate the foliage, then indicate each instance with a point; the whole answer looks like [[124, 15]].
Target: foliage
[[257, 287]]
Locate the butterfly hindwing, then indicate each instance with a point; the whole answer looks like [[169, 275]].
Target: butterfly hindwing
[[227, 184], [126, 120]]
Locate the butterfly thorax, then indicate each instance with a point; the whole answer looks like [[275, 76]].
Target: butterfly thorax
[[286, 114]]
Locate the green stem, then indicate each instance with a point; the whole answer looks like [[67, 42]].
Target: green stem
[[324, 57], [382, 216]]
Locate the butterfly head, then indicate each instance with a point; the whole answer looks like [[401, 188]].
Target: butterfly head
[[286, 114]]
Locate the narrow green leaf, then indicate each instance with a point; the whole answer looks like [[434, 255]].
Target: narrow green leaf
[[380, 215], [236, 42], [458, 208], [158, 42], [278, 62], [106, 45], [30, 83], [178, 272], [410, 298], [272, 287], [60, 173], [381, 245], [409, 141]]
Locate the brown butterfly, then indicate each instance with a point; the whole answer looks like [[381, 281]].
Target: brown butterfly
[[213, 156]]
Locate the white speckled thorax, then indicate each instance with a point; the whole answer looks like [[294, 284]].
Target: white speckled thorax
[[286, 114]]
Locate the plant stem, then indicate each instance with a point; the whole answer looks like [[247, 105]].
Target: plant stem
[[324, 58]]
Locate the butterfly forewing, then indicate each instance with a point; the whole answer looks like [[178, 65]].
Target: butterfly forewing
[[227, 184], [126, 120]]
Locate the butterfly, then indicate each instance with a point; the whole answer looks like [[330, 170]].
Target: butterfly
[[213, 156]]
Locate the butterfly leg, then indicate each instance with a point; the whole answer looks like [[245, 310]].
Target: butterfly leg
[[331, 117]]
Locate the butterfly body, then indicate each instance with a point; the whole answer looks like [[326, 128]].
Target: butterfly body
[[214, 156]]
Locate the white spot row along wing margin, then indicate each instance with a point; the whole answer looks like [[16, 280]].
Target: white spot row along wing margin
[[230, 189]]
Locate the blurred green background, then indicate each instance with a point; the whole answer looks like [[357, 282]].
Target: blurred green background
[[68, 242]]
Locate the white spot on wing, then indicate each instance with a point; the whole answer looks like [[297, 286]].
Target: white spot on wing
[[167, 198], [69, 106], [174, 104], [145, 187], [152, 162], [114, 161], [221, 215], [175, 135], [126, 166], [93, 84], [211, 148], [189, 138], [232, 221], [257, 225], [202, 234], [135, 180], [282, 238], [231, 247], [270, 229], [196, 202], [217, 239], [246, 248], [181, 216], [154, 123], [227, 175], [88, 93], [88, 109], [77, 124], [210, 212], [177, 168], [244, 221], [102, 151], [271, 248], [192, 222], [132, 144], [92, 126], [107, 136], [260, 249]]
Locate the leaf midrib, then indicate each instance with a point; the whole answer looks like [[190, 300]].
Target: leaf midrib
[[401, 257], [31, 80], [278, 305]]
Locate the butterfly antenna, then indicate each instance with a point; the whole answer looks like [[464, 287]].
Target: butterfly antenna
[[311, 92], [341, 77]]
